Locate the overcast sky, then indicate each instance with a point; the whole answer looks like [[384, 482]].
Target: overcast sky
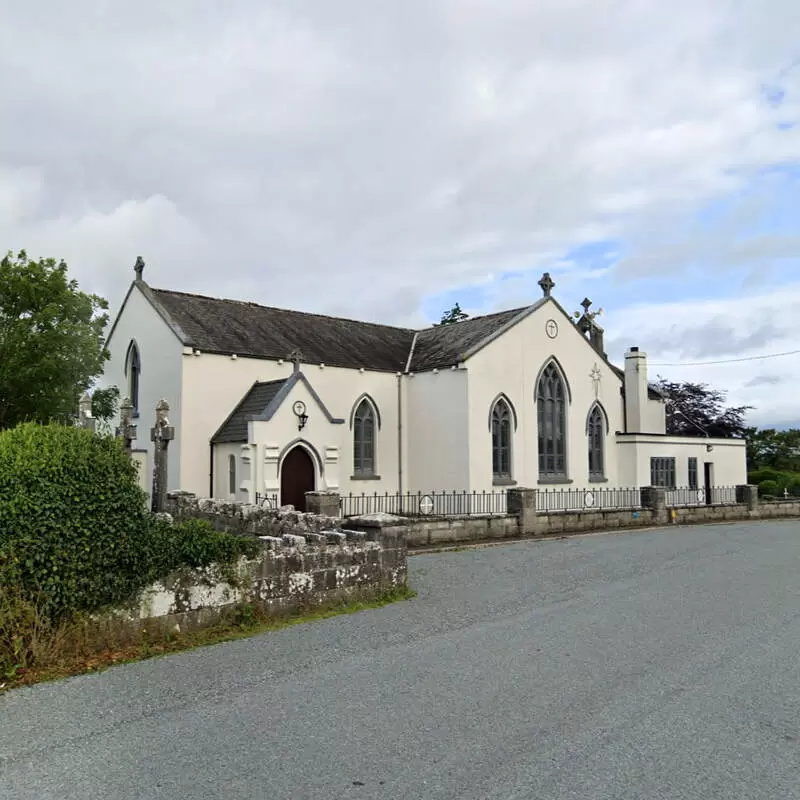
[[383, 160]]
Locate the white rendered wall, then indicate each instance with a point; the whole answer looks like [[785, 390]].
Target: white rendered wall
[[160, 354], [213, 385], [728, 457], [221, 473], [320, 438], [654, 417], [437, 431], [511, 364]]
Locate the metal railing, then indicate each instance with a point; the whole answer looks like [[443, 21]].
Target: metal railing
[[685, 496], [425, 504], [548, 500], [267, 501], [464, 503]]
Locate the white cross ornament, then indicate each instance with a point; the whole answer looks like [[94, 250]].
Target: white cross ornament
[[426, 504], [596, 375]]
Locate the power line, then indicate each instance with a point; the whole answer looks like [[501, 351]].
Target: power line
[[724, 361]]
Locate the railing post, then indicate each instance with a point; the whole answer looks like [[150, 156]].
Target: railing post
[[748, 495], [326, 504], [522, 504], [655, 498]]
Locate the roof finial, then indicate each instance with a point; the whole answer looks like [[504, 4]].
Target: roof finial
[[297, 356], [138, 267], [547, 284]]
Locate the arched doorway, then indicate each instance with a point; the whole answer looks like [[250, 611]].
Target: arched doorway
[[297, 477]]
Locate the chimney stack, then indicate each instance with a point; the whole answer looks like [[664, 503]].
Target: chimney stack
[[635, 390]]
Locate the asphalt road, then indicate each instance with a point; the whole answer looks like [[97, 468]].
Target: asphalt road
[[660, 664]]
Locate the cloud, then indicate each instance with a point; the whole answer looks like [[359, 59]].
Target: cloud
[[357, 158], [371, 152], [683, 340], [765, 380]]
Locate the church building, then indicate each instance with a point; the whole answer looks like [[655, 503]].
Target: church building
[[268, 402]]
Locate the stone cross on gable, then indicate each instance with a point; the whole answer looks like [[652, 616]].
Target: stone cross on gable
[[547, 284], [296, 356], [138, 267]]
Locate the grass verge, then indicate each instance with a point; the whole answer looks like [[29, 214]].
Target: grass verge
[[72, 649]]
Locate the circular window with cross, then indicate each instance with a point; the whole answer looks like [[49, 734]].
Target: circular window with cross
[[426, 505]]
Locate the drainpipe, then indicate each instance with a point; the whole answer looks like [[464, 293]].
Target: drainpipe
[[211, 469], [624, 410], [399, 435]]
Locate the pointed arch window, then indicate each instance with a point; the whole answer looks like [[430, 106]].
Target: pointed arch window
[[364, 440], [501, 441], [551, 407], [595, 430], [133, 368], [232, 475]]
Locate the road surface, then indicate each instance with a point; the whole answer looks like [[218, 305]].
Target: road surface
[[657, 664]]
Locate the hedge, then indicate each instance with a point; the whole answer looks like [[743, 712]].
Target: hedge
[[74, 531]]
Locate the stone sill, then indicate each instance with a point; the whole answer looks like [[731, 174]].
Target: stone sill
[[554, 481], [504, 482], [598, 480], [365, 477]]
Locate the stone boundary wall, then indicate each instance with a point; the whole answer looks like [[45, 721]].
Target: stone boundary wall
[[427, 531], [779, 509], [295, 571], [291, 574], [439, 531], [246, 519]]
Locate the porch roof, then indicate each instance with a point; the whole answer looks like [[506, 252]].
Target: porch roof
[[254, 403]]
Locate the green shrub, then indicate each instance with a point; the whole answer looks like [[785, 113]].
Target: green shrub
[[198, 544], [766, 488], [74, 532], [72, 517], [193, 543], [758, 476], [794, 487]]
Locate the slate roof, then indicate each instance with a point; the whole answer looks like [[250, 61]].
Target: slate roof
[[248, 329], [255, 402], [445, 345], [215, 325]]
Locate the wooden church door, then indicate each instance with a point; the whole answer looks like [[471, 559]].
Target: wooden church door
[[297, 477]]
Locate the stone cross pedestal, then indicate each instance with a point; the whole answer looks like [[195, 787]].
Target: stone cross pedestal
[[85, 419], [126, 430], [161, 434]]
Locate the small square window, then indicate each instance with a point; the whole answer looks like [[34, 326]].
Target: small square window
[[662, 472]]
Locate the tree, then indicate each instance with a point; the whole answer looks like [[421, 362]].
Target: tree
[[455, 314], [768, 447], [695, 409], [105, 403], [51, 340]]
